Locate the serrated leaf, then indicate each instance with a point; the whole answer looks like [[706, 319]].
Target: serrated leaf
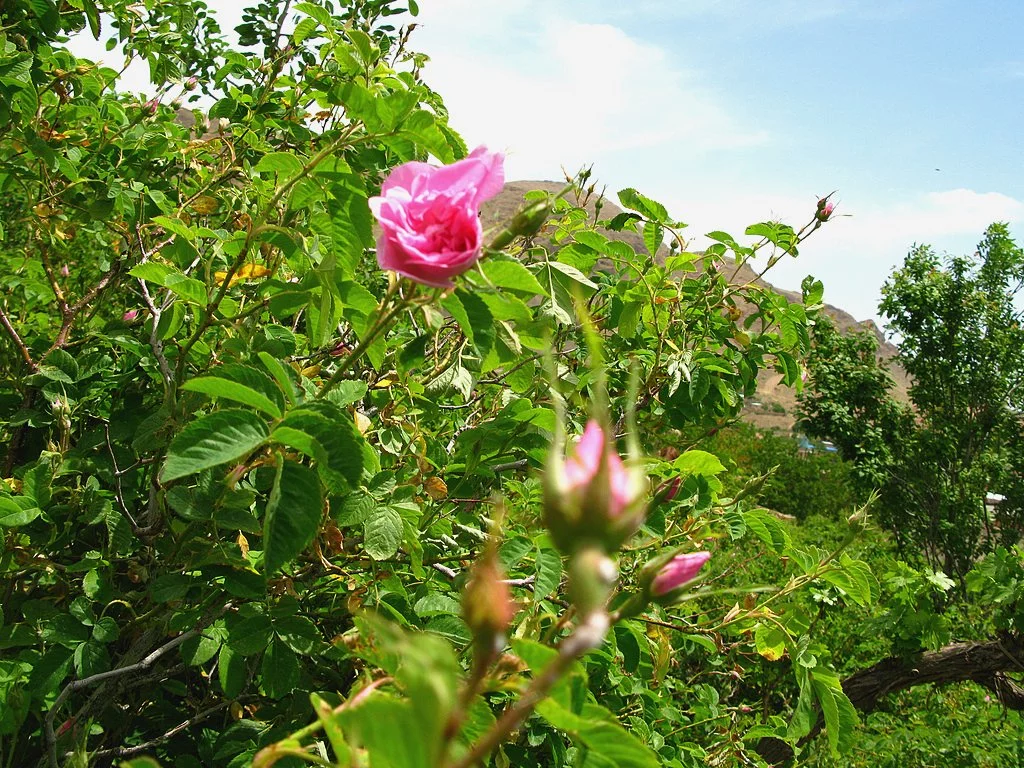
[[548, 573], [214, 439], [437, 604], [770, 641], [507, 273], [840, 715], [243, 385], [13, 514], [284, 163], [608, 743], [231, 671], [382, 533], [293, 514], [280, 670]]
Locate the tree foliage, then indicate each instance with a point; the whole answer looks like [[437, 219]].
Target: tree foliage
[[936, 459]]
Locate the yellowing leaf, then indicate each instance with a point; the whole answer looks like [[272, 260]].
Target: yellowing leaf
[[244, 272], [205, 205], [243, 544], [311, 371], [435, 488], [363, 423]]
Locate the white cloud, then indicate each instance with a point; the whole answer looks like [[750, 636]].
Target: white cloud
[[554, 91]]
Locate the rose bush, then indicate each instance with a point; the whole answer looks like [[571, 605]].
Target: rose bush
[[430, 217]]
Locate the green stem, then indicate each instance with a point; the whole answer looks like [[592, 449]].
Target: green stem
[[382, 324]]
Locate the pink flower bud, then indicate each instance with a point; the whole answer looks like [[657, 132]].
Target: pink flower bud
[[191, 83], [151, 106], [581, 469], [678, 571], [130, 315], [591, 496], [825, 209], [64, 271]]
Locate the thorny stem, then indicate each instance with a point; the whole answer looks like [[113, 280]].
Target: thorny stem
[[588, 635]]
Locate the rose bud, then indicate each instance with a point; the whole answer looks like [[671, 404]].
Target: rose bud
[[825, 209], [430, 216], [487, 605], [662, 579], [591, 497], [191, 83], [677, 573], [151, 106], [130, 315]]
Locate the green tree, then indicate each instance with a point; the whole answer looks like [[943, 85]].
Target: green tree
[[959, 439]]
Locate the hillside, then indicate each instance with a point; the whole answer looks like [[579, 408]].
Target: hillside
[[774, 406]]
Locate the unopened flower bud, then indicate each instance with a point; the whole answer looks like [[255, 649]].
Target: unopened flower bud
[[64, 271], [676, 573], [151, 106], [191, 83], [858, 521], [525, 223], [825, 209], [130, 315], [591, 497], [487, 605], [662, 579]]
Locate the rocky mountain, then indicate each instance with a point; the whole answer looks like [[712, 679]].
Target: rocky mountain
[[774, 405]]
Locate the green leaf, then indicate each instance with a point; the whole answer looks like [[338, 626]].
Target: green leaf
[[840, 716], [382, 533], [13, 514], [169, 277], [250, 635], [389, 729], [214, 439], [767, 528], [770, 641], [281, 375], [299, 633], [284, 163], [327, 434], [231, 671], [280, 670], [650, 209], [243, 385], [199, 649], [508, 273], [437, 604], [548, 575], [293, 514], [698, 463], [609, 745]]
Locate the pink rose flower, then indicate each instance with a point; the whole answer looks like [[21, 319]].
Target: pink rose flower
[[582, 466], [678, 571], [430, 216]]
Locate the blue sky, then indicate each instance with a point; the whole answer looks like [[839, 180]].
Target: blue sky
[[736, 111]]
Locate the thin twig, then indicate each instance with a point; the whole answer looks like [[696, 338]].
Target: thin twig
[[129, 751], [25, 354], [100, 677]]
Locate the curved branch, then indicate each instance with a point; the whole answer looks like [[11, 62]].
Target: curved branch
[[983, 663]]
